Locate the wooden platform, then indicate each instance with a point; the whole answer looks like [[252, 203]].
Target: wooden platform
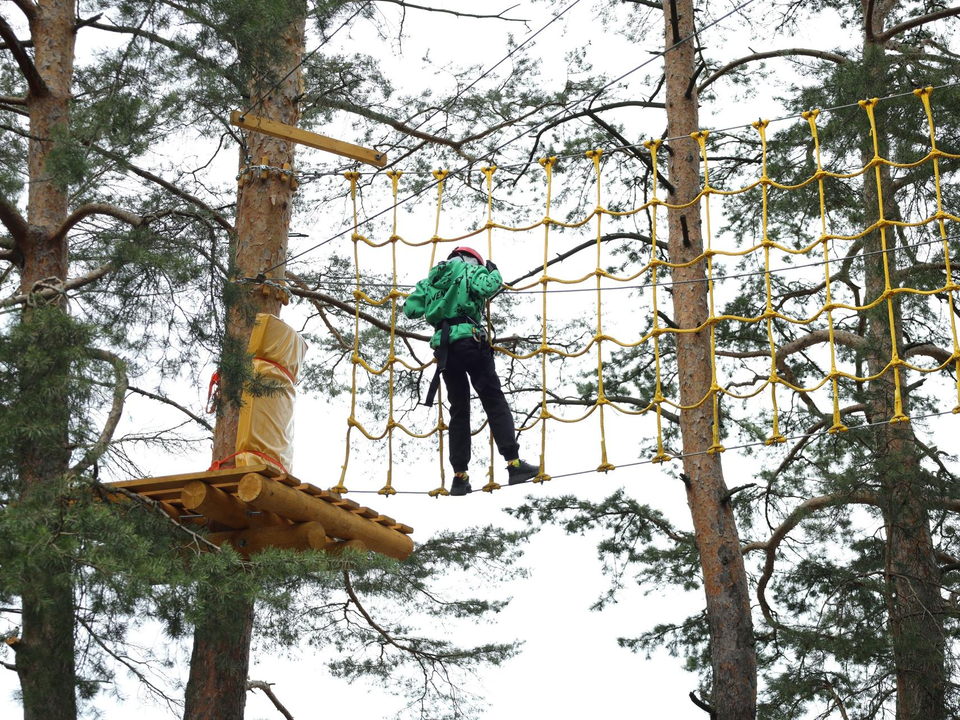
[[257, 506]]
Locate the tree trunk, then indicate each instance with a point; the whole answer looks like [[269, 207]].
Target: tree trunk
[[216, 689], [912, 577], [45, 652], [732, 648]]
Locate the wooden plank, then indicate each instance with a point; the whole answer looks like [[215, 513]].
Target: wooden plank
[[366, 512], [405, 529], [346, 504], [312, 490], [385, 520], [214, 477], [310, 139]]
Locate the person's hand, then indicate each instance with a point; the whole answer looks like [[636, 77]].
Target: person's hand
[[491, 266]]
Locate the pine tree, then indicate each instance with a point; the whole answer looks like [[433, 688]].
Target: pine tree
[[118, 273]]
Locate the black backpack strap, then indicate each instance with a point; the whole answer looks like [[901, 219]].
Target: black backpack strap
[[443, 352]]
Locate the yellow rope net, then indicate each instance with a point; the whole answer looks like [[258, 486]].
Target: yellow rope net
[[653, 269]]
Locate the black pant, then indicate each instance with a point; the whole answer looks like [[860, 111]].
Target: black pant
[[469, 357]]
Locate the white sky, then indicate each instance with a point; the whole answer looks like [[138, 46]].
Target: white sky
[[570, 665]]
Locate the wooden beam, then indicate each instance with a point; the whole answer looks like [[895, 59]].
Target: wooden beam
[[176, 482], [310, 139], [211, 502], [302, 536], [286, 502]]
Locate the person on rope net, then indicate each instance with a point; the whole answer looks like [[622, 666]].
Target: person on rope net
[[451, 298]]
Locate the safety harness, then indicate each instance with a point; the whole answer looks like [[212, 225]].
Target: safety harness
[[443, 351]]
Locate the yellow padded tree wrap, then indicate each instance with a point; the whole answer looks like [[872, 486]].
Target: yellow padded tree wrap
[[265, 429]]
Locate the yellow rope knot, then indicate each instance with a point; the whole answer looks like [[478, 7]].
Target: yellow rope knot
[[386, 490], [760, 125], [606, 467], [868, 104], [810, 114], [438, 492], [490, 487], [652, 145], [924, 91], [775, 440], [547, 163], [837, 428], [441, 175], [661, 457], [340, 489], [394, 174], [542, 477]]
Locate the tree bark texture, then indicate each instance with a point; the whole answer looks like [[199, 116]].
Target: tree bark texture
[[45, 653], [912, 576], [216, 689], [732, 647]]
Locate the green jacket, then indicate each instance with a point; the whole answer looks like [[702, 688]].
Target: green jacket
[[452, 289]]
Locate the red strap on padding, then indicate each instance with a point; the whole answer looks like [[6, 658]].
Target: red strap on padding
[[278, 365], [220, 464]]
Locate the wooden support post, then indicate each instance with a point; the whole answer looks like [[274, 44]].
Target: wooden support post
[[211, 502], [302, 536], [310, 139], [339, 523]]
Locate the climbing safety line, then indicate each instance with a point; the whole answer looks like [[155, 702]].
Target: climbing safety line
[[809, 437], [776, 377]]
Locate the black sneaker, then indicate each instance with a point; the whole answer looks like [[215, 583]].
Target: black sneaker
[[522, 472], [460, 485]]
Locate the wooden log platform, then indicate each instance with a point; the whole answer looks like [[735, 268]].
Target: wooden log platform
[[261, 507]]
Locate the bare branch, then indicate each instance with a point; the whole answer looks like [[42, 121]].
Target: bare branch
[[168, 401], [38, 88], [49, 292], [300, 290], [916, 22], [583, 246], [802, 511], [498, 16], [85, 211], [199, 541], [811, 431], [265, 687], [116, 410], [13, 100], [939, 354], [868, 25], [14, 222], [146, 175], [645, 3], [628, 147], [184, 50], [790, 52]]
